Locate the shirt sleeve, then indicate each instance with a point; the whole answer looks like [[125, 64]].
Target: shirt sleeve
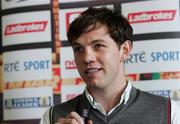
[[175, 112], [45, 118]]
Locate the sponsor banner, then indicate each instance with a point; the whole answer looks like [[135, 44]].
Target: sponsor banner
[[173, 94], [154, 56], [67, 1], [72, 81], [22, 65], [154, 76], [154, 16], [29, 103], [55, 82], [71, 91], [153, 85], [30, 27], [8, 4], [68, 65], [66, 16]]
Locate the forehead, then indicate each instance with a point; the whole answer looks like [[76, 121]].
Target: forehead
[[92, 33]]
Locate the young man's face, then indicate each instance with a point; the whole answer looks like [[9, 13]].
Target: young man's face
[[98, 58]]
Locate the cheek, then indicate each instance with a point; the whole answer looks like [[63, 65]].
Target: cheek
[[76, 59], [111, 57], [112, 60], [78, 63]]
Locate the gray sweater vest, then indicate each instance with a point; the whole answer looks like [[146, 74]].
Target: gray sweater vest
[[141, 108]]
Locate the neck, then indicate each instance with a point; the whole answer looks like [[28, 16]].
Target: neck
[[109, 98]]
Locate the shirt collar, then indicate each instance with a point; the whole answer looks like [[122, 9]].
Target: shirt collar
[[124, 98]]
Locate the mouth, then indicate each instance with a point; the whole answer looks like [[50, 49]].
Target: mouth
[[90, 72]]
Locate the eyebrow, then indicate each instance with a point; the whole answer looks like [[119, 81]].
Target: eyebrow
[[97, 41], [93, 42]]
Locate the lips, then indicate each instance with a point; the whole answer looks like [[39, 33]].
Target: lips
[[92, 71]]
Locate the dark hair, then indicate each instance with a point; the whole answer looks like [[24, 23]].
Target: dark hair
[[117, 26]]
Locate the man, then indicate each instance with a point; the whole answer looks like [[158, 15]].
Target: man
[[102, 40]]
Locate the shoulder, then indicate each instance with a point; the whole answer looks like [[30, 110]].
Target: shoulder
[[154, 104], [152, 98]]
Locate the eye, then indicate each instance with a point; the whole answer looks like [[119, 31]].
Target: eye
[[99, 46], [78, 49]]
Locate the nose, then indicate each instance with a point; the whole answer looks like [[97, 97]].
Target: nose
[[89, 56]]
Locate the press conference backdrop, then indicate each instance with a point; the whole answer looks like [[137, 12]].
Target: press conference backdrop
[[37, 64]]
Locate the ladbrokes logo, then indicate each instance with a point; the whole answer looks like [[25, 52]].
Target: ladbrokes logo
[[70, 16], [38, 26], [152, 16]]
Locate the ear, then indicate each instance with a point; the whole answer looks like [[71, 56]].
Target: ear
[[125, 50]]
